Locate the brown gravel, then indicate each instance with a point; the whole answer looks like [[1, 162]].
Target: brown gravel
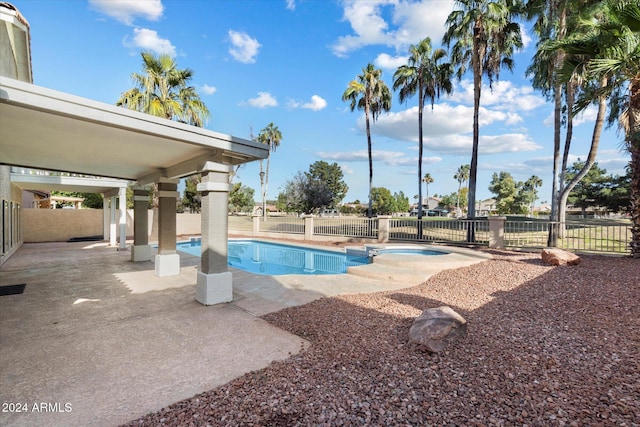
[[547, 346]]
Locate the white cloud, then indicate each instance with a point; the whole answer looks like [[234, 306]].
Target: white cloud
[[409, 22], [146, 39], [317, 103], [503, 96], [126, 11], [444, 119], [389, 158], [243, 48], [388, 62], [291, 4], [263, 100], [587, 116], [209, 90]]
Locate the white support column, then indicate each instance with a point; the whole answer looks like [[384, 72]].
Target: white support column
[[215, 282], [105, 217], [112, 222], [122, 203]]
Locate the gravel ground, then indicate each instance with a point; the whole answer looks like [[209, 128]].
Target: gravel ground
[[546, 346]]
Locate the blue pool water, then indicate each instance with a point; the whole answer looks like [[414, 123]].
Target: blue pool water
[[275, 259]]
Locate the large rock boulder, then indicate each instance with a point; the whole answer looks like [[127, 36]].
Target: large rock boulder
[[436, 328], [555, 256]]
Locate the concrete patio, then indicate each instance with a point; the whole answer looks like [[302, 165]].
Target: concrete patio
[[96, 339]]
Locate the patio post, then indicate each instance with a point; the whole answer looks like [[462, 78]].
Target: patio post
[[141, 251], [112, 223], [167, 260], [105, 217], [214, 284], [122, 203]]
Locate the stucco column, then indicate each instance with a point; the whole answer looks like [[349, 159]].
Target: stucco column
[[141, 251], [308, 227], [105, 217], [384, 228], [214, 285], [496, 232], [167, 260], [122, 203], [112, 222]]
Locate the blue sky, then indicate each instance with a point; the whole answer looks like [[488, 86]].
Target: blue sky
[[288, 62]]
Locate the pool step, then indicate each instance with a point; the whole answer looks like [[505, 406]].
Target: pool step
[[388, 273]]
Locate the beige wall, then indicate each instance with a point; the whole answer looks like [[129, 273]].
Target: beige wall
[[59, 225]]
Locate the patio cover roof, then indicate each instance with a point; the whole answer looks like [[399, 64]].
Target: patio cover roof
[[46, 129]]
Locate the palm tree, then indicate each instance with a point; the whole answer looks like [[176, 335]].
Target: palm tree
[[532, 184], [462, 175], [270, 136], [426, 75], [427, 180], [484, 38], [370, 93], [553, 21], [605, 47], [162, 90]]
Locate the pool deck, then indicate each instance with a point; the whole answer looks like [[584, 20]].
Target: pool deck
[[100, 340]]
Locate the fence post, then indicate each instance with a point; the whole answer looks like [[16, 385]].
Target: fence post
[[384, 227], [256, 224], [496, 232], [308, 227]]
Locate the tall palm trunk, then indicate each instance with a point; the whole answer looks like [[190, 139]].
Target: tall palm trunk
[[477, 88], [633, 142], [420, 148], [369, 151], [562, 206], [266, 179], [591, 157]]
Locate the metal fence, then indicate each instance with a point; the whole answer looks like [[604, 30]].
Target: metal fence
[[242, 223], [456, 231], [346, 227], [606, 236], [586, 235], [282, 224]]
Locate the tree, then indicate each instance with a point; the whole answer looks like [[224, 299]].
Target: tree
[[293, 198], [605, 47], [462, 175], [484, 39], [427, 179], [321, 187], [270, 136], [402, 202], [588, 191], [162, 90], [368, 92], [241, 198], [426, 75], [531, 187], [191, 199], [511, 197], [383, 202], [325, 186]]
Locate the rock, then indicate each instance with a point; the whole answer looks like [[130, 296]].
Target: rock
[[555, 256], [435, 328]]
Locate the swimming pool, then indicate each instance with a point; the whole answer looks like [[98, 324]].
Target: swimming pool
[[275, 259], [408, 251]]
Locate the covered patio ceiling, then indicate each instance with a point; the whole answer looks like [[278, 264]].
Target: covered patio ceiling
[[46, 129]]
